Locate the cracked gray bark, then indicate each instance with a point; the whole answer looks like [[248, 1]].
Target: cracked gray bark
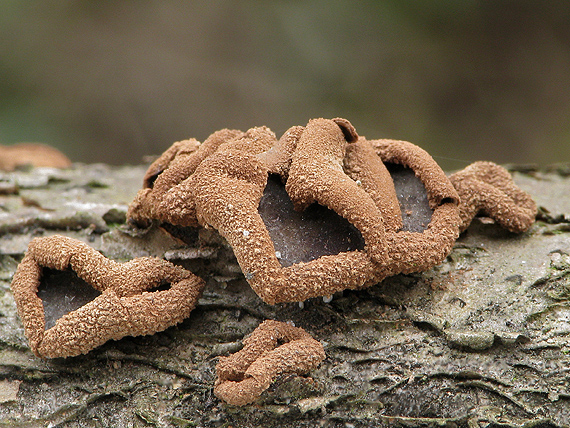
[[480, 340]]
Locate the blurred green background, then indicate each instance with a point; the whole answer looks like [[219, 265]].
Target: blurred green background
[[112, 81]]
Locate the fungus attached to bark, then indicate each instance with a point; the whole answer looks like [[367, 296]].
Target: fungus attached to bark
[[272, 349], [318, 211], [127, 299], [488, 189]]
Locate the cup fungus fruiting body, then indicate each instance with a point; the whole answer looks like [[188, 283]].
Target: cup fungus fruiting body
[[229, 183], [139, 297], [272, 349]]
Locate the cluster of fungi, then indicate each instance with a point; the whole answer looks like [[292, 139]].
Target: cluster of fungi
[[223, 183]]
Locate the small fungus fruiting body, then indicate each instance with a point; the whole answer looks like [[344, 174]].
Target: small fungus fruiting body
[[272, 349], [488, 189], [127, 305], [34, 154]]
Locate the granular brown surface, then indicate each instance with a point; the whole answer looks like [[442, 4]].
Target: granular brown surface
[[220, 184], [272, 349], [488, 189], [127, 306]]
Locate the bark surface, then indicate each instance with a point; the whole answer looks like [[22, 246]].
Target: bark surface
[[481, 340]]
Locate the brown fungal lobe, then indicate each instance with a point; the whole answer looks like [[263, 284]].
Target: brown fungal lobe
[[488, 189], [273, 348], [34, 154], [128, 299]]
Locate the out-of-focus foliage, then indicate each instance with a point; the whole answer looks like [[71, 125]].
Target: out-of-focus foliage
[[113, 81]]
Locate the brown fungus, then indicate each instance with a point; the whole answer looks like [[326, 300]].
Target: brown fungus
[[488, 189], [34, 154], [272, 349], [140, 297], [325, 163]]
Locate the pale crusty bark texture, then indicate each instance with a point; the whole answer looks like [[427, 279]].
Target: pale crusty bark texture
[[480, 340]]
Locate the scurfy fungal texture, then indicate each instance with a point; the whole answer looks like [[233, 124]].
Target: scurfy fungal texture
[[232, 183], [272, 349], [127, 304]]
